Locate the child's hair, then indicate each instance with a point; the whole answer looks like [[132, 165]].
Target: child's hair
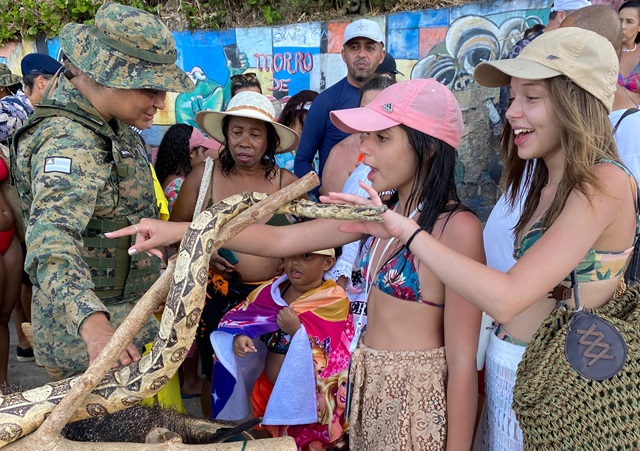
[[174, 153], [376, 82], [586, 138], [533, 29], [297, 107], [246, 80]]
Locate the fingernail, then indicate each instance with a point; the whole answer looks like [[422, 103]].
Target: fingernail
[[107, 233], [132, 251]]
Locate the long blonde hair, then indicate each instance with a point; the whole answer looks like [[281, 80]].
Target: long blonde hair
[[586, 138]]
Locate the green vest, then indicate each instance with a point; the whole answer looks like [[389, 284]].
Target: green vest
[[117, 276]]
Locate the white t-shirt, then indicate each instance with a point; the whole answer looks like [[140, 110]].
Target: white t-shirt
[[627, 138]]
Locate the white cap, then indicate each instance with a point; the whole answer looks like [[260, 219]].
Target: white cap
[[569, 5], [363, 28]]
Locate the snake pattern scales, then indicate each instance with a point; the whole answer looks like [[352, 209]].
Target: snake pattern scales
[[22, 413]]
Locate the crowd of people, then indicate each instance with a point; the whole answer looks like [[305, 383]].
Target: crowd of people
[[322, 327]]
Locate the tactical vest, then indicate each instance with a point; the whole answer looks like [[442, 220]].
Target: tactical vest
[[117, 276]]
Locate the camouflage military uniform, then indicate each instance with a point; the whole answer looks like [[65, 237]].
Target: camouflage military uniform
[[69, 177]]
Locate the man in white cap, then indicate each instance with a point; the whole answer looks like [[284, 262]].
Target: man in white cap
[[362, 52]]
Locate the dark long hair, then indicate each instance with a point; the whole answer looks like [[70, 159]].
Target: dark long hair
[[295, 108], [434, 190], [174, 153], [268, 161], [376, 82]]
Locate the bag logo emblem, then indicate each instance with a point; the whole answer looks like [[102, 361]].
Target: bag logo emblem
[[594, 344], [593, 347]]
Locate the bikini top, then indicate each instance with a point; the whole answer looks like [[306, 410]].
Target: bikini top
[[632, 81], [398, 277], [596, 265]]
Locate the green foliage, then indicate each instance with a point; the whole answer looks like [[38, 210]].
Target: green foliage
[[20, 19]]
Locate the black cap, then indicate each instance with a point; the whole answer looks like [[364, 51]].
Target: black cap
[[388, 65], [39, 64]]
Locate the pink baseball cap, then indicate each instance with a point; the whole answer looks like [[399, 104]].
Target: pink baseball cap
[[198, 139], [425, 105]]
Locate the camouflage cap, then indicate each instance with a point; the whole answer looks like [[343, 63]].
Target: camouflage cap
[[7, 78], [125, 48]]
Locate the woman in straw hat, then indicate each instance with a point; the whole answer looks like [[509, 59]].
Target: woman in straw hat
[[81, 170], [251, 137], [414, 372]]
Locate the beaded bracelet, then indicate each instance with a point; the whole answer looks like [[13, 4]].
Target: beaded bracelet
[[419, 229]]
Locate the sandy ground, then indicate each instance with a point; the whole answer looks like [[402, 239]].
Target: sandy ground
[[30, 375]]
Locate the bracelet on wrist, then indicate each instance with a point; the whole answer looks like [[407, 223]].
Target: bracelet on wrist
[[413, 235]]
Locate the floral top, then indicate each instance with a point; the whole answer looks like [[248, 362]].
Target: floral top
[[171, 191], [14, 111]]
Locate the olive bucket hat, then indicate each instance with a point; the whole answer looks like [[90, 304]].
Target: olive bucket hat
[[7, 78], [125, 48]]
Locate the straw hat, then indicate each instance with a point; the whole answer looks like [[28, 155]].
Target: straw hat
[[7, 78], [251, 105], [125, 48]]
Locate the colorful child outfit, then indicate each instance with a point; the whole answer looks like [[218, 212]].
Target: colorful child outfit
[[298, 407]]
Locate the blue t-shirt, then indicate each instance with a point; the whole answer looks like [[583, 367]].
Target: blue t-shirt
[[318, 132]]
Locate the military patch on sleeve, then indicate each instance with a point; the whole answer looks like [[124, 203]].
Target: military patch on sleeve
[[58, 164]]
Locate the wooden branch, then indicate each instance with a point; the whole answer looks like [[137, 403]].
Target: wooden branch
[[129, 328], [265, 207]]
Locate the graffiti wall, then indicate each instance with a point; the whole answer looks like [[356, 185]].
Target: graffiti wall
[[445, 44]]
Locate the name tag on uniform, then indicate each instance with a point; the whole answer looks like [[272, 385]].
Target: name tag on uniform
[[58, 164]]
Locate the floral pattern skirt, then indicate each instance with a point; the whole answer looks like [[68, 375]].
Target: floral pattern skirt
[[399, 399]]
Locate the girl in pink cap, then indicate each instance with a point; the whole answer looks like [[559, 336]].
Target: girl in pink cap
[[551, 356], [414, 372]]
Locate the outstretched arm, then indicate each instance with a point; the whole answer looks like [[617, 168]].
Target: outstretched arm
[[604, 219]]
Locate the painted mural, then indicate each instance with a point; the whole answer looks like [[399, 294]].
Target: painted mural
[[446, 44]]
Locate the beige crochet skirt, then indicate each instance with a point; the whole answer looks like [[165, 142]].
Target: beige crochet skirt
[[399, 400]]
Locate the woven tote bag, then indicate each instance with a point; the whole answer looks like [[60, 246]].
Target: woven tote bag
[[558, 408]]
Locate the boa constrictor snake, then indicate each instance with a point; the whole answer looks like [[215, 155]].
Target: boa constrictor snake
[[22, 413]]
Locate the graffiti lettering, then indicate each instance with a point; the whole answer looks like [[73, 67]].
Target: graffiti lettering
[[280, 85], [291, 62]]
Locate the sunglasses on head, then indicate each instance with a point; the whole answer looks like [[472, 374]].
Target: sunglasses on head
[[241, 79]]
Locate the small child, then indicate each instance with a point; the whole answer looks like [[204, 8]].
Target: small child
[[298, 301]]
